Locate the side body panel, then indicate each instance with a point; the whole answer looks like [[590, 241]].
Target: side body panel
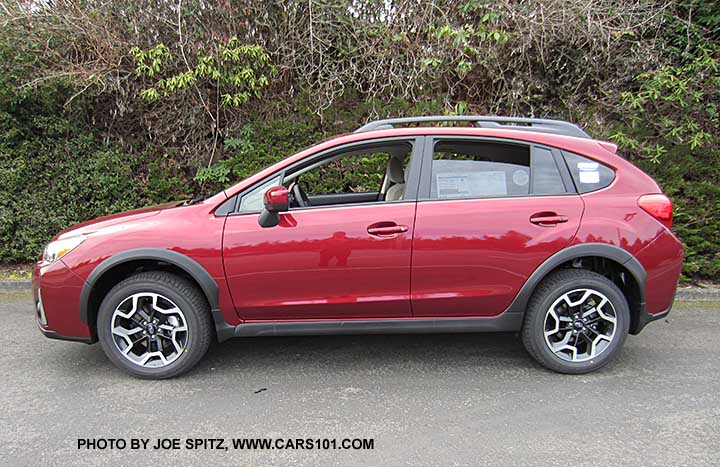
[[320, 263], [471, 257], [613, 216]]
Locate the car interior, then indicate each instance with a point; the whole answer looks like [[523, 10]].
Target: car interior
[[366, 175]]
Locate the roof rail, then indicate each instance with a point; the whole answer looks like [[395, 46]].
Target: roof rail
[[542, 125]]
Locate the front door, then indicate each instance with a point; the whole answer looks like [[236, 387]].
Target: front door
[[334, 255]]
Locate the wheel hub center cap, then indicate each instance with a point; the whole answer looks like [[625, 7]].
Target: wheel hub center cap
[[578, 325], [150, 328]]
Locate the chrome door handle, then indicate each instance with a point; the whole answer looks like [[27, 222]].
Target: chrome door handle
[[386, 230], [548, 221]]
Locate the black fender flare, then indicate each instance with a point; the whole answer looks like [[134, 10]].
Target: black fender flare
[[190, 266], [603, 250]]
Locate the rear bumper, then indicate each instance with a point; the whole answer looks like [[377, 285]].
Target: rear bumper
[[644, 318], [662, 260]]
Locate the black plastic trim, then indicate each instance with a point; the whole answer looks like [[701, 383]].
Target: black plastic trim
[[506, 322], [228, 206], [187, 264], [644, 318], [55, 335], [603, 250], [331, 199], [268, 219], [564, 170]]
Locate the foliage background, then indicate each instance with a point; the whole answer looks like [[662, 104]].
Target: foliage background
[[109, 105]]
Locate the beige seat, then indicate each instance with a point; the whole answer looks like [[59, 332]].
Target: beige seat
[[396, 176]]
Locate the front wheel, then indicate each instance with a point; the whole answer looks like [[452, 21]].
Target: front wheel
[[576, 321], [154, 325]]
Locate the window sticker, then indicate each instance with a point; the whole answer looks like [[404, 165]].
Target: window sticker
[[589, 172], [521, 177], [470, 184]]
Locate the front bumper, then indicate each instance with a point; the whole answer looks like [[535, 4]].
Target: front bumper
[[56, 294], [54, 335]]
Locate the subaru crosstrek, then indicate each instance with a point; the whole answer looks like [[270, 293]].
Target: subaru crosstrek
[[504, 224]]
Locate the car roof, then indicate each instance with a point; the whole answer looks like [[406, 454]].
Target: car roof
[[551, 139]]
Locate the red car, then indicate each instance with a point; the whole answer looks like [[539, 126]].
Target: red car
[[506, 224]]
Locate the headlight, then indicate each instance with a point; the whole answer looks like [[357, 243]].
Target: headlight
[[59, 248]]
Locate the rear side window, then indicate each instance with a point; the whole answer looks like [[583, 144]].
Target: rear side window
[[479, 170], [588, 175], [487, 169]]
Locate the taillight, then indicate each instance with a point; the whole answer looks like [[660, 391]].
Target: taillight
[[658, 206]]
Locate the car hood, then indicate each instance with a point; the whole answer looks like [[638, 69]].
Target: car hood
[[106, 221]]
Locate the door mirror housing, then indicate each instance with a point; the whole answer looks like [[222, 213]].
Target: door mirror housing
[[276, 201]]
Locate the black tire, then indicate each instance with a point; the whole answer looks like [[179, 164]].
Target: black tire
[[185, 296], [554, 287]]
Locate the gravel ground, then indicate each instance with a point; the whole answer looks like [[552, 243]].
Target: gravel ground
[[425, 400]]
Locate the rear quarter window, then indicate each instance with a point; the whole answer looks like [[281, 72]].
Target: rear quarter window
[[588, 175]]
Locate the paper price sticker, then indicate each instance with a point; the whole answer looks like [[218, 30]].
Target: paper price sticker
[[588, 172]]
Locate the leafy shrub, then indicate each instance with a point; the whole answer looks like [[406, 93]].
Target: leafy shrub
[[692, 183], [672, 130], [258, 145], [52, 176]]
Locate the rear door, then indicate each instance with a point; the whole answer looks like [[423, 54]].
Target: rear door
[[489, 213]]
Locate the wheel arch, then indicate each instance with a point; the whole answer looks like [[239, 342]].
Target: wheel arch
[[607, 259], [118, 266]]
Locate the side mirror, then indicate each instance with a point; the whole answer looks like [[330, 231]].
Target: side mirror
[[276, 201]]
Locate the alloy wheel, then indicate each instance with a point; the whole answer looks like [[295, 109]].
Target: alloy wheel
[[149, 330], [580, 325]]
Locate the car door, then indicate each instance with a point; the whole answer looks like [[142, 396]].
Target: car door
[[348, 258], [489, 213]]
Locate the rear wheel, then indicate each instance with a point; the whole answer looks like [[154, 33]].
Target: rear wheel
[[576, 321], [154, 325]]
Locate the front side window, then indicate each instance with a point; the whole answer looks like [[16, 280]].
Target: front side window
[[365, 174], [253, 200], [356, 173]]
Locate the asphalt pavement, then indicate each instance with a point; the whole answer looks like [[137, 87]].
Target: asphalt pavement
[[424, 400]]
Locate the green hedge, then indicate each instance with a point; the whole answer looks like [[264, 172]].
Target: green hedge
[[104, 108], [692, 183], [52, 176]]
